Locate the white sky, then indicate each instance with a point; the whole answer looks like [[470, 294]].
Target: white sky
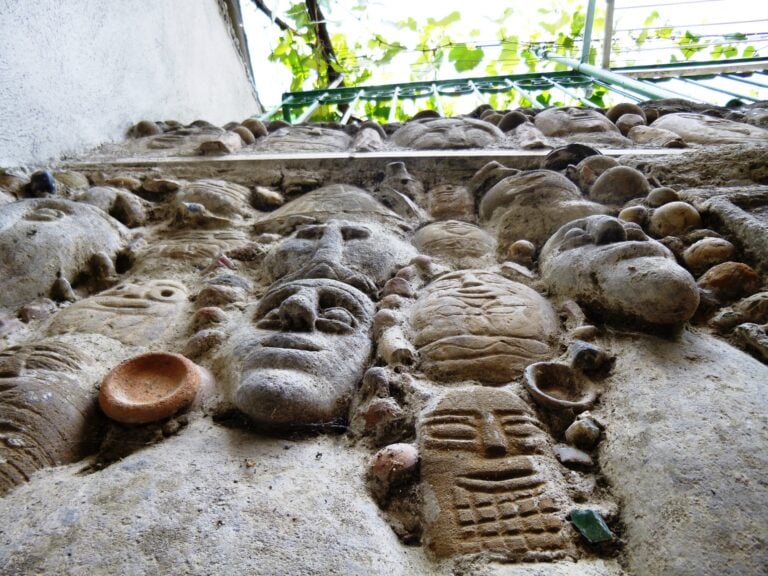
[[701, 16]]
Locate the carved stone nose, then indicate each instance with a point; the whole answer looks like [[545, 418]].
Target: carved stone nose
[[470, 280], [495, 442], [297, 312]]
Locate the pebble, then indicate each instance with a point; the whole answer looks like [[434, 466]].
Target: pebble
[[572, 457], [628, 121], [394, 464], [245, 134], [41, 184], [204, 341], [708, 252], [37, 310], [635, 214], [583, 434], [127, 182], [586, 172], [570, 154], [512, 120], [256, 127], [217, 295], [399, 286], [146, 128], [161, 185], [674, 219], [72, 180], [730, 280], [265, 199], [522, 252], [619, 110], [619, 184], [660, 196], [208, 316], [588, 357]]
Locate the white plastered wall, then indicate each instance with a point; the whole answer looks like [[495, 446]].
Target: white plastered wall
[[77, 73]]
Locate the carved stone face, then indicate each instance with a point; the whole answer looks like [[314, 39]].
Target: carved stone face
[[307, 353], [704, 129], [133, 313], [614, 269], [489, 482], [449, 201], [48, 414], [447, 133], [220, 198], [532, 205], [305, 138], [571, 120], [335, 201], [351, 252], [187, 248], [40, 238], [479, 325], [461, 243]]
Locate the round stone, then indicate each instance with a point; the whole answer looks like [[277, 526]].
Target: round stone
[[636, 214], [660, 196], [730, 280], [673, 219], [619, 184], [708, 252]]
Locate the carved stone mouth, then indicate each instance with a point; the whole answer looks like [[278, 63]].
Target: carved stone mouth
[[290, 342], [127, 303]]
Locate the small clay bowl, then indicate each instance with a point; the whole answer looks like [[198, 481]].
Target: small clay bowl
[[557, 385], [149, 387]]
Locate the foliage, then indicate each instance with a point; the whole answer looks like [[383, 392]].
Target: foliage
[[441, 48]]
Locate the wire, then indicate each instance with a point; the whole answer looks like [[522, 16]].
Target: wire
[[690, 25], [664, 5]]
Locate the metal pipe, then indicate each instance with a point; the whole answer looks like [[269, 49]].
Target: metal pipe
[[720, 90], [477, 93], [307, 114], [587, 44], [648, 90], [274, 110], [351, 107], [393, 105], [624, 93], [438, 104], [573, 95], [744, 80], [529, 96], [608, 34]]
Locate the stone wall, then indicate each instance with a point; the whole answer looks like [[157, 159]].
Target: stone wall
[[75, 75], [509, 343]]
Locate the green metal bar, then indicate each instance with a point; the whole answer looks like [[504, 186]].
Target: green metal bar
[[609, 76], [587, 43], [573, 95], [438, 103], [393, 105], [352, 106], [274, 110], [673, 65], [677, 93], [720, 90]]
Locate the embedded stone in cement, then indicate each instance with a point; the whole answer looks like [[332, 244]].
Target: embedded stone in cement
[[304, 139], [332, 202], [477, 325], [616, 271], [42, 239], [48, 412], [306, 354], [703, 129], [489, 481], [447, 133], [532, 205], [579, 125], [135, 313], [460, 244]]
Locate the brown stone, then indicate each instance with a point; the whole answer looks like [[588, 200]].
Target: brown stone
[[708, 252], [731, 280], [673, 219]]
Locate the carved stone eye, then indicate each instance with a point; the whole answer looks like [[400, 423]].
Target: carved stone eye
[[336, 320]]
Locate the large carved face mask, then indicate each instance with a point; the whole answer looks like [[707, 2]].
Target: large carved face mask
[[351, 252], [479, 325], [614, 269], [486, 468], [308, 352]]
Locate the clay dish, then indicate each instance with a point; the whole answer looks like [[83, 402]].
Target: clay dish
[[149, 387], [557, 385]]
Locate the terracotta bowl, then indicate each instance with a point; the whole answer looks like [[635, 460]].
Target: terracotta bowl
[[557, 385], [149, 387]]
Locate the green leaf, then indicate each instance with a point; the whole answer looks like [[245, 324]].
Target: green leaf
[[749, 52], [735, 36], [652, 17], [664, 33], [577, 23], [411, 24], [464, 57], [509, 59], [450, 19], [730, 51]]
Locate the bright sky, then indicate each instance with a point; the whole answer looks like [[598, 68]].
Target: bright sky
[[479, 24]]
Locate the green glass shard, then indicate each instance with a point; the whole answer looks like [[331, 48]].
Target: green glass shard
[[591, 525]]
